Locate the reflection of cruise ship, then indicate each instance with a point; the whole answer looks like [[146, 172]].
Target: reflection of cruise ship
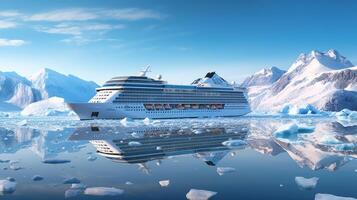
[[156, 143], [141, 97]]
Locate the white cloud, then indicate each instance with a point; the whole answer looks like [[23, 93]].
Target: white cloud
[[132, 14], [82, 14], [82, 40], [7, 24], [75, 14], [79, 29], [7, 42], [9, 13]]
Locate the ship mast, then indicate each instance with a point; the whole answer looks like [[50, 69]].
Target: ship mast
[[146, 70]]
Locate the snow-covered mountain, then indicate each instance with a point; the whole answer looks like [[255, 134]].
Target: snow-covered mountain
[[71, 88], [211, 79], [326, 80], [16, 92], [265, 76]]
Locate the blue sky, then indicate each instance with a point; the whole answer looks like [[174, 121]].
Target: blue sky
[[181, 40]]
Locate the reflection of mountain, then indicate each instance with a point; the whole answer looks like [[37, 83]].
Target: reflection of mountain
[[140, 145], [46, 144]]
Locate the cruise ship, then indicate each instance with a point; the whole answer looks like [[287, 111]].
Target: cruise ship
[[140, 97]]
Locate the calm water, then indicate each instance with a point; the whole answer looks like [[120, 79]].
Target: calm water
[[186, 152]]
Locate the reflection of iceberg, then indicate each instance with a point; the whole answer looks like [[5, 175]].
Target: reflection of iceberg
[[45, 143], [159, 142]]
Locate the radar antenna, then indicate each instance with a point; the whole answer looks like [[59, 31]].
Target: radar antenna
[[146, 70]]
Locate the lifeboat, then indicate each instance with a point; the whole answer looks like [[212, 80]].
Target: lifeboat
[[167, 106], [187, 106], [219, 106], [194, 106], [179, 106]]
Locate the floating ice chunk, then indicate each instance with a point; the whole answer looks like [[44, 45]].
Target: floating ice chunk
[[22, 123], [234, 143], [281, 185], [103, 191], [300, 110], [37, 178], [134, 143], [290, 131], [15, 167], [125, 121], [147, 121], [164, 183], [78, 186], [7, 186], [56, 161], [71, 180], [346, 114], [128, 183], [158, 148], [11, 179], [329, 140], [195, 194], [306, 183], [223, 170], [91, 158], [345, 147], [70, 193], [320, 196]]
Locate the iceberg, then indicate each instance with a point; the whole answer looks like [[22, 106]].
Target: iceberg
[[320, 196], [70, 193], [299, 110], [347, 115], [306, 183], [195, 194], [22, 123], [7, 186], [290, 131], [164, 183], [223, 170], [54, 106], [103, 191]]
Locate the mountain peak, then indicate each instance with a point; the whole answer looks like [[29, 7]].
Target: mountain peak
[[320, 61], [212, 79], [265, 76]]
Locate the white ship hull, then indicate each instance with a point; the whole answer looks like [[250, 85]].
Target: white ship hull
[[87, 111]]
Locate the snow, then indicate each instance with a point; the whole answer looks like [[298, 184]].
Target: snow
[[54, 106], [71, 180], [195, 194], [320, 196], [234, 143], [323, 79], [7, 186], [211, 80], [306, 183], [164, 183], [223, 170], [103, 191], [134, 143]]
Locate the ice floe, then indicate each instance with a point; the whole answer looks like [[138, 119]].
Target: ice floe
[[346, 114], [306, 183], [290, 131], [70, 193], [37, 178], [22, 123], [195, 194], [128, 183], [71, 180], [11, 179], [164, 183], [223, 170], [56, 161], [147, 121], [300, 110], [103, 191], [7, 186], [320, 196]]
